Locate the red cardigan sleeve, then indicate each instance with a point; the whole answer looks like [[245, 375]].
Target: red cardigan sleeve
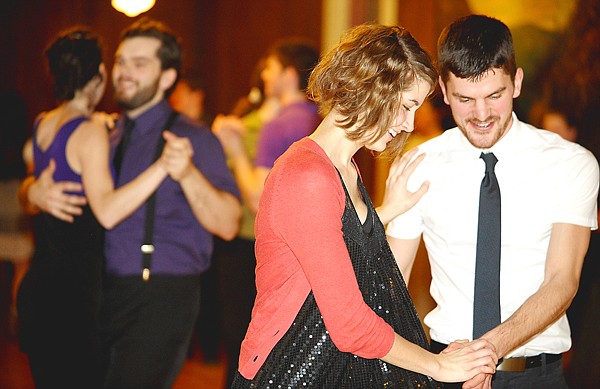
[[307, 214]]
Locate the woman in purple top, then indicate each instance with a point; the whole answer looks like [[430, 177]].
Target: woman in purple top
[[59, 297]]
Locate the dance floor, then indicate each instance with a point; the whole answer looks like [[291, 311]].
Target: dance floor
[[14, 369]]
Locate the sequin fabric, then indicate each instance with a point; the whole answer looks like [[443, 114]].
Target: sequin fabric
[[306, 357]]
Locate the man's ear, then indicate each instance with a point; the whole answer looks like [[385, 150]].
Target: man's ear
[[443, 88], [102, 70], [518, 83], [167, 78]]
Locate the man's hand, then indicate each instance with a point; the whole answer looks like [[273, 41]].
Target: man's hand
[[104, 119], [52, 197], [480, 381], [177, 156]]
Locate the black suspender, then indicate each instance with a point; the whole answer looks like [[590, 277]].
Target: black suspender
[[147, 246]]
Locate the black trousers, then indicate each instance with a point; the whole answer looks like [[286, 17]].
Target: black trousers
[[146, 329], [584, 316], [235, 263]]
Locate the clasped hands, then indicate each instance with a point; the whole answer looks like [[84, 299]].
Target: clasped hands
[[475, 353], [177, 156]]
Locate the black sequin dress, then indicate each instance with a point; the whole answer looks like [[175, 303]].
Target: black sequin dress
[[306, 357]]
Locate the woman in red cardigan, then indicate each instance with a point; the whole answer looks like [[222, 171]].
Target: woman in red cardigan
[[332, 309]]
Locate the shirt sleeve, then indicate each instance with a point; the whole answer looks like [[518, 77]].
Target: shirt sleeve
[[578, 203], [209, 158], [272, 143], [308, 218], [409, 225]]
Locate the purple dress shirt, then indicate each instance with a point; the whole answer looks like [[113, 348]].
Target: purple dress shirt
[[294, 122], [182, 245]]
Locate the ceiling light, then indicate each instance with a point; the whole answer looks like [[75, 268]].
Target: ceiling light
[[132, 8]]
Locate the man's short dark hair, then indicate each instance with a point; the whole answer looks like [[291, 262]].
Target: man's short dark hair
[[297, 53], [474, 44]]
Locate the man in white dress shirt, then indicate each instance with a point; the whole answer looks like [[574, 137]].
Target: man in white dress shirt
[[548, 188]]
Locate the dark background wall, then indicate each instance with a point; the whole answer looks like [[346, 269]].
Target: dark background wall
[[222, 40]]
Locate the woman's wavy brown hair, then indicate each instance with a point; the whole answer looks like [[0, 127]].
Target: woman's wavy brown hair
[[363, 78]]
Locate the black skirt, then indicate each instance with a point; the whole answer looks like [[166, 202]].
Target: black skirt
[[59, 301]]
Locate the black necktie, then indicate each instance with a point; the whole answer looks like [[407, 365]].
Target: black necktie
[[486, 300], [122, 146]]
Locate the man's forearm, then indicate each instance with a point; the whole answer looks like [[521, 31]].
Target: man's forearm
[[219, 212], [24, 198], [538, 312], [249, 179], [566, 251]]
